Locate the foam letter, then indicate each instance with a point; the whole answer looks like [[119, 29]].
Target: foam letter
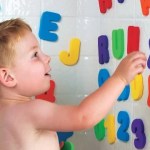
[[120, 1], [63, 136], [133, 39], [118, 43], [49, 95], [48, 26], [103, 49], [102, 76], [104, 5], [72, 56], [145, 5], [137, 87], [125, 93]]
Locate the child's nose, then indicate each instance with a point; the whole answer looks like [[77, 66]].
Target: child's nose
[[47, 59]]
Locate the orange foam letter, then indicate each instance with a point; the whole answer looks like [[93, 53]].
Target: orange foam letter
[[145, 5]]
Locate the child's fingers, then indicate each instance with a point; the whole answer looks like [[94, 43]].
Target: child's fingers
[[138, 66], [139, 70], [136, 55], [139, 62]]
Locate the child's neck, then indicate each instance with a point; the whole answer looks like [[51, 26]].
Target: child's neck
[[19, 99]]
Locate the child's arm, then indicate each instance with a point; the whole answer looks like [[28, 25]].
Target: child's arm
[[49, 116]]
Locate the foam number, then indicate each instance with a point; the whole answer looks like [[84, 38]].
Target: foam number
[[104, 5], [125, 94], [148, 99], [137, 87], [103, 51], [68, 146], [72, 56], [48, 26], [110, 126], [99, 130], [49, 95], [118, 43], [123, 119], [133, 39], [138, 128], [145, 5]]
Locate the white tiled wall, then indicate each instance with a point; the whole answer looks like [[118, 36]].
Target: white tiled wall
[[82, 19]]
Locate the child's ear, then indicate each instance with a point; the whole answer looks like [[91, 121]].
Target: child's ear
[[7, 78]]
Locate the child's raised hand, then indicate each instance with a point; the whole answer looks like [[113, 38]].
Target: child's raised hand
[[133, 64]]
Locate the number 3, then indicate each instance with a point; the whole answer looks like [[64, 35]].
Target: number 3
[[138, 129]]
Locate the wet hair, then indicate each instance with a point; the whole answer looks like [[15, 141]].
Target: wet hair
[[10, 33]]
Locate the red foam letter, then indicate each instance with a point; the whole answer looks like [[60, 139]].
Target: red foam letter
[[104, 5], [49, 95], [133, 39]]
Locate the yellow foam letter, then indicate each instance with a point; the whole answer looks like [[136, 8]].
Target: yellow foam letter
[[137, 87], [71, 57]]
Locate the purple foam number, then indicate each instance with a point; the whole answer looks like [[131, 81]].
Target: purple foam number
[[103, 49], [148, 61], [120, 1], [138, 128]]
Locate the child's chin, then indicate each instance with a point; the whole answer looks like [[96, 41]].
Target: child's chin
[[44, 89], [47, 86]]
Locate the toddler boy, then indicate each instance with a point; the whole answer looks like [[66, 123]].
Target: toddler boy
[[29, 124]]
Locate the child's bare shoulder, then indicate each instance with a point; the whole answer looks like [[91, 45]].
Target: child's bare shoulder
[[11, 110]]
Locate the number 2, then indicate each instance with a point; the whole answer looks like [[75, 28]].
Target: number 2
[[123, 119]]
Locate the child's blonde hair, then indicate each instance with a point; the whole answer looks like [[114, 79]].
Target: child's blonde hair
[[10, 32]]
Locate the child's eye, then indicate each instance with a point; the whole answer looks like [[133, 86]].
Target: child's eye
[[35, 54]]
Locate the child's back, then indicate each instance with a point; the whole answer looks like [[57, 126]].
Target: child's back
[[17, 132]]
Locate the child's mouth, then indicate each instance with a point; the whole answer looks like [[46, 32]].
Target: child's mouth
[[47, 75]]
